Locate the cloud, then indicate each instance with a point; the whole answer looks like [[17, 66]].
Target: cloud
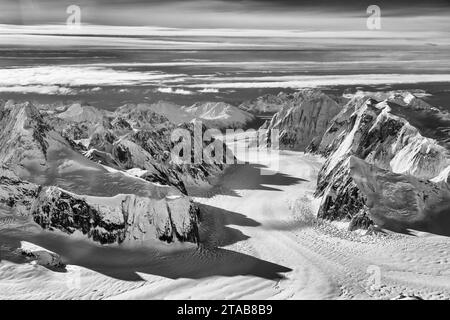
[[74, 76], [208, 90], [69, 80], [322, 81], [175, 91], [40, 89]]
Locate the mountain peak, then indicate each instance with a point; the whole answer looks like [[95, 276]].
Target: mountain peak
[[23, 136]]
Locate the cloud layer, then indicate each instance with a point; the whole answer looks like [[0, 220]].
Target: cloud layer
[[67, 80]]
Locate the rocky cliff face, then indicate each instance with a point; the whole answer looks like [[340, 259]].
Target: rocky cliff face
[[374, 157], [36, 160], [107, 220], [304, 119], [123, 218], [17, 194]]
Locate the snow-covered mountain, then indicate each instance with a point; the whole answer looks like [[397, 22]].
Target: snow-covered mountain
[[431, 121], [81, 113], [124, 218], [306, 117], [375, 158], [169, 110], [268, 103], [118, 219], [136, 137], [368, 129], [216, 115], [23, 139], [219, 115], [45, 178]]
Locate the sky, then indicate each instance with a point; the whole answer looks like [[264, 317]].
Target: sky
[[412, 43], [265, 14], [131, 23]]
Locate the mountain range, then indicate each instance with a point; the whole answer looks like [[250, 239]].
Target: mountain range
[[107, 175], [101, 175], [380, 170]]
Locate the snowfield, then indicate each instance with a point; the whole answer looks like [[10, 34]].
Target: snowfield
[[260, 240]]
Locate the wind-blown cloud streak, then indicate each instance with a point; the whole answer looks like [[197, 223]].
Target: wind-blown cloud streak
[[94, 36]]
